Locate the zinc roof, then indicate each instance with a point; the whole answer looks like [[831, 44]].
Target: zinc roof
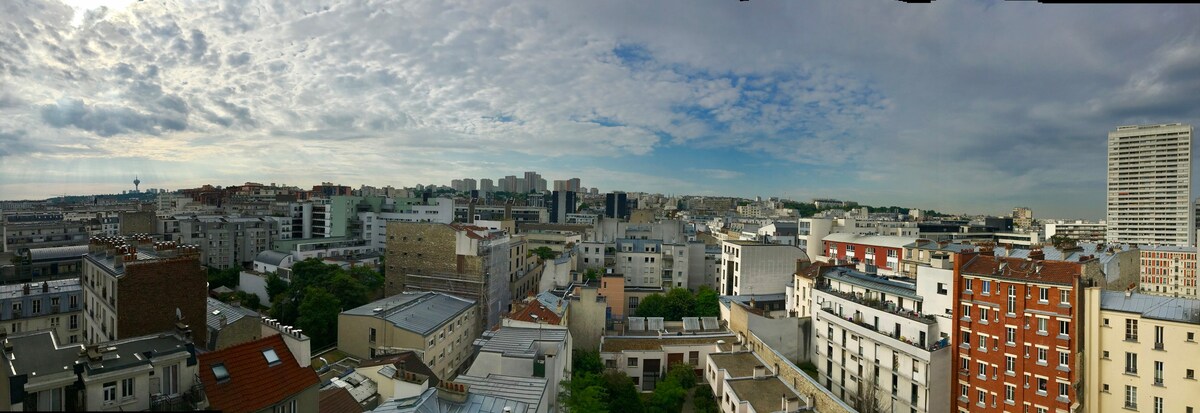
[[1184, 310], [421, 313]]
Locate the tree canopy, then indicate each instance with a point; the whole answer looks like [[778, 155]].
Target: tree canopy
[[679, 303], [318, 292]]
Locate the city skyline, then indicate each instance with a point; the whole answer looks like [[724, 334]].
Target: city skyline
[[971, 107]]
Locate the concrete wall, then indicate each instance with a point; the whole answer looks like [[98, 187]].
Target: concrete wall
[[444, 357], [586, 319], [254, 284], [241, 331], [822, 399]]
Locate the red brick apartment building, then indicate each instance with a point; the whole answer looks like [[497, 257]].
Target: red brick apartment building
[[881, 251], [1017, 327]]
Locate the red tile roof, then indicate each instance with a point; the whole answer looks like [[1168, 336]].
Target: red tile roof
[[535, 307], [1056, 272], [253, 384], [338, 400]]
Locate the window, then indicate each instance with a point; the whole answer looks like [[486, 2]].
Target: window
[[1010, 364], [983, 314], [1190, 374], [1064, 390], [127, 388], [1012, 299], [1041, 355], [73, 301], [1064, 358], [1010, 335], [1041, 385], [982, 368], [632, 362], [1130, 330], [966, 338], [987, 286], [941, 288], [54, 302], [1009, 391], [1158, 337], [110, 392], [1158, 373], [272, 358], [73, 321], [170, 383], [966, 310], [371, 337], [1158, 404], [219, 372], [1064, 297], [967, 284], [1130, 397], [1064, 328], [963, 390], [1131, 363], [37, 306], [1041, 325], [16, 309], [1191, 336], [633, 302], [1044, 294]]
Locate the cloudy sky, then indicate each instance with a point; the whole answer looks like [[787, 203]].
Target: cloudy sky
[[963, 106]]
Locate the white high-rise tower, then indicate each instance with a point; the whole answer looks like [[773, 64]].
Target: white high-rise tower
[[1150, 185]]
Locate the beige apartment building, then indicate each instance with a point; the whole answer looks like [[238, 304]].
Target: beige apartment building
[[437, 326], [1141, 352]]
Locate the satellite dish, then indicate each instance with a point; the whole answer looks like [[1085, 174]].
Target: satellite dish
[[178, 314]]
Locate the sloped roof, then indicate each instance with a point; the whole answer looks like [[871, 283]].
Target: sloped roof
[[535, 312], [527, 390], [1036, 271], [1183, 310], [519, 341], [890, 241], [337, 400], [216, 309], [407, 361], [253, 384], [421, 313]]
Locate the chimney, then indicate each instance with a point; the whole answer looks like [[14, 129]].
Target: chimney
[[790, 404], [508, 210], [760, 372], [471, 211], [224, 321], [1037, 254], [454, 392], [25, 289], [45, 287]]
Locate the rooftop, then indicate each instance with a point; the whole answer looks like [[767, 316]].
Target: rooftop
[[52, 287], [527, 390], [923, 244], [337, 400], [612, 344], [736, 364], [403, 361], [764, 395], [39, 353], [520, 341], [58, 253], [747, 243], [1167, 248], [1183, 310], [1025, 270], [253, 380], [272, 257], [232, 314], [883, 284], [890, 241], [421, 313], [136, 351]]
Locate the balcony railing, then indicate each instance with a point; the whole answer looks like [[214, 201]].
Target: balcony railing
[[937, 345], [888, 307]]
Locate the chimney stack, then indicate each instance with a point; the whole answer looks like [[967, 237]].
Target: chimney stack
[[790, 404], [760, 372]]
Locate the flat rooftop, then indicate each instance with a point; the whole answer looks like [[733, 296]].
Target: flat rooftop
[[527, 390], [35, 289], [520, 341], [739, 364], [764, 395], [612, 344], [421, 313]]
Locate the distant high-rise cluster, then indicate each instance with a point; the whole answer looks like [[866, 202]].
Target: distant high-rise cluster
[[530, 181]]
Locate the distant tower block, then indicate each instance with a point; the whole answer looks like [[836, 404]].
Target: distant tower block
[[136, 182]]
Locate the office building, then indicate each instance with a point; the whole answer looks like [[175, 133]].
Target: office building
[[616, 205], [561, 204], [1150, 185]]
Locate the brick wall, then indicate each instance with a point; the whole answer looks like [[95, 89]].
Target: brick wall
[[419, 248], [149, 293]]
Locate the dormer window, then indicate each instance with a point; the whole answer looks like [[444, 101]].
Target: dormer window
[[272, 358]]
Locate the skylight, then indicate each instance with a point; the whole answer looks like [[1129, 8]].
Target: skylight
[[272, 358], [220, 372]]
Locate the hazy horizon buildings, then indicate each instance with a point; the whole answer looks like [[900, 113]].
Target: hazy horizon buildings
[[1150, 185]]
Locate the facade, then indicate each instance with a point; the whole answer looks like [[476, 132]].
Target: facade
[[229, 325], [224, 241], [45, 230], [616, 205], [374, 224], [878, 344], [1168, 271], [1022, 218], [646, 359], [748, 267], [520, 214], [51, 263], [134, 287], [922, 252], [882, 252], [561, 203], [468, 261], [55, 305], [438, 326], [1150, 185], [811, 232], [155, 372], [743, 383], [1016, 334], [258, 376], [1140, 352], [1079, 230]]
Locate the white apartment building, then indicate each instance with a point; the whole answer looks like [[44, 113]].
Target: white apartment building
[[1079, 230], [1141, 352], [810, 231], [749, 267], [877, 340], [1150, 185], [374, 224]]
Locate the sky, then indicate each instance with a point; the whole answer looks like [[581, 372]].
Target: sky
[[966, 106]]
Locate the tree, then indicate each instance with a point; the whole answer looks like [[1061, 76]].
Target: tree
[[371, 280], [653, 305], [623, 396], [223, 278], [584, 361], [318, 316], [545, 253], [584, 393], [703, 400], [707, 302], [680, 303], [591, 274], [683, 374], [275, 286], [668, 397], [349, 292], [867, 400]]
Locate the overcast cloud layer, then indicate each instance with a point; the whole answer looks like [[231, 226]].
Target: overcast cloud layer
[[958, 106]]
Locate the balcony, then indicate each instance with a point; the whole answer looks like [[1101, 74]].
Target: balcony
[[889, 307], [938, 345]]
